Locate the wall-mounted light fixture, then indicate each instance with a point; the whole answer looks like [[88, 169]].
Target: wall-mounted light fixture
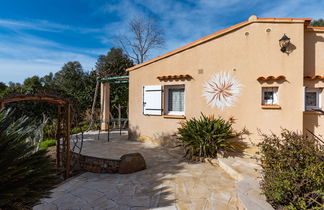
[[284, 43]]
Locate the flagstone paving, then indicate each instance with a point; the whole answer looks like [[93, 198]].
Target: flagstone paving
[[169, 182]]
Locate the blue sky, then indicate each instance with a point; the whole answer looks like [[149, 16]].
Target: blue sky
[[39, 36]]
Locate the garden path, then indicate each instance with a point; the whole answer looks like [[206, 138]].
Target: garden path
[[169, 182]]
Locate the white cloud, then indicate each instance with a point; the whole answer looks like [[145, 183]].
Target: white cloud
[[189, 20], [23, 55], [296, 9], [42, 25], [17, 70]]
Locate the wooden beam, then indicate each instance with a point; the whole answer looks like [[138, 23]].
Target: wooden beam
[[58, 136], [114, 78], [34, 98], [68, 131]]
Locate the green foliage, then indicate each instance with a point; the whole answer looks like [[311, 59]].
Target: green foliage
[[293, 171], [80, 129], [25, 176], [3, 87], [71, 82], [84, 127], [318, 23], [50, 129], [206, 136], [47, 143], [114, 63], [32, 85], [76, 84]]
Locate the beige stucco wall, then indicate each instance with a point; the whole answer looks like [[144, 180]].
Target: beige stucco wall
[[314, 53], [245, 57], [314, 65]]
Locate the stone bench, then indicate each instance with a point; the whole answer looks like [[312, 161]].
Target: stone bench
[[128, 163]]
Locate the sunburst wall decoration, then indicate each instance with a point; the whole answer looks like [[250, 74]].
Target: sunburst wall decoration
[[222, 90]]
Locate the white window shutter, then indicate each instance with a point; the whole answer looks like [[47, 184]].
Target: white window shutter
[[152, 100]]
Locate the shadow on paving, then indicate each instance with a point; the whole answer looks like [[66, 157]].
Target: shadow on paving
[[150, 188]]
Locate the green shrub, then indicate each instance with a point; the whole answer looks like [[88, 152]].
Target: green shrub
[[47, 143], [80, 129], [84, 127], [25, 176], [50, 129], [206, 136], [293, 171]]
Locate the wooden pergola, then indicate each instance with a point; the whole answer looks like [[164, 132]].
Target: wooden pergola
[[64, 110], [105, 98]]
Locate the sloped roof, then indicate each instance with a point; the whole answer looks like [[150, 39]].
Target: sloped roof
[[315, 29], [252, 19]]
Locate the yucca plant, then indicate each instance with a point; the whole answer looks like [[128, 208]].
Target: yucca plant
[[26, 176], [205, 136]]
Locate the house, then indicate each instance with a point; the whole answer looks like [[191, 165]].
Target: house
[[265, 74]]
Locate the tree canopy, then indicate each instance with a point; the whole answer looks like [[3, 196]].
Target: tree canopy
[[318, 23], [74, 83], [114, 63], [70, 82]]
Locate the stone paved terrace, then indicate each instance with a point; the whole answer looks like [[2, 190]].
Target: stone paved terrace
[[169, 182]]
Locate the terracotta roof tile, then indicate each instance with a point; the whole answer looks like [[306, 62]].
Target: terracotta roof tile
[[170, 77], [280, 77], [314, 77]]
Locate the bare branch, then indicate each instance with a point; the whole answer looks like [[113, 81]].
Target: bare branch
[[144, 36]]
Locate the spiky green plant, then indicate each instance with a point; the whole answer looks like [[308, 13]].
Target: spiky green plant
[[205, 136], [25, 176]]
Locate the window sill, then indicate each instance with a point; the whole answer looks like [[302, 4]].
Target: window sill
[[270, 106], [175, 116], [312, 112]]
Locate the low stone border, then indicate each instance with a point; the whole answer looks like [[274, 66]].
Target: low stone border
[[128, 163], [95, 164]]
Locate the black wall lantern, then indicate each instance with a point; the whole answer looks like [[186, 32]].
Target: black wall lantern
[[284, 43]]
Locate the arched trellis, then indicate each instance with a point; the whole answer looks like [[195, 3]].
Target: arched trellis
[[64, 111]]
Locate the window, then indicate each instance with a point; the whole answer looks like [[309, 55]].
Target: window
[[312, 99], [269, 95], [174, 100]]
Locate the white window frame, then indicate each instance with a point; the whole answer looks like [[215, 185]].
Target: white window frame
[[275, 91], [318, 92], [166, 101]]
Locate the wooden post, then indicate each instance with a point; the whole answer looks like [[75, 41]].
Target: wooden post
[[105, 105], [2, 105], [68, 131], [58, 136], [119, 118]]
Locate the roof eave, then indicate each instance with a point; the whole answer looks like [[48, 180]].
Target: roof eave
[[252, 19], [315, 29]]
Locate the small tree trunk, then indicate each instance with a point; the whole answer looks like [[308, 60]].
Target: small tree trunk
[[94, 104]]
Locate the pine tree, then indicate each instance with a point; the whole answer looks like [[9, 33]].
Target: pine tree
[[25, 176]]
